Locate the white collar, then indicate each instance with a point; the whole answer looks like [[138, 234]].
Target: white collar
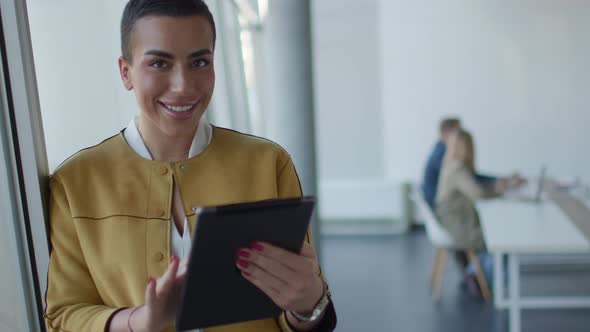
[[200, 141]]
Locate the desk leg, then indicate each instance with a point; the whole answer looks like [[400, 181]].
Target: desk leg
[[514, 291], [499, 290]]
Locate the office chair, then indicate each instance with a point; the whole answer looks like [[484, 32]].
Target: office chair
[[442, 241]]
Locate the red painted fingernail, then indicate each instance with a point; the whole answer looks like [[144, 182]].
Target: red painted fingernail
[[243, 253], [243, 264], [246, 273], [257, 246]]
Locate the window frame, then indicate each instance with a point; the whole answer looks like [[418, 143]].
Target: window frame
[[27, 165]]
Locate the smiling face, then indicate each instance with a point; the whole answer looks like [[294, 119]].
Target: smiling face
[[171, 72]]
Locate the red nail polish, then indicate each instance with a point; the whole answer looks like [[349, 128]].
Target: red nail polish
[[246, 273], [243, 253], [243, 264], [257, 246]]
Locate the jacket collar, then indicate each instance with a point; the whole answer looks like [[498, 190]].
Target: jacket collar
[[200, 141]]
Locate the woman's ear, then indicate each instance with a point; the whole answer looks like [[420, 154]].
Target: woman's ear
[[124, 70]]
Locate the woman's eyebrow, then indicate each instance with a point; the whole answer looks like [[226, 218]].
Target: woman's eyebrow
[[200, 53], [170, 56], [159, 53]]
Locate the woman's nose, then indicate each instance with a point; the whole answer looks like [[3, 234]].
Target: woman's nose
[[180, 81]]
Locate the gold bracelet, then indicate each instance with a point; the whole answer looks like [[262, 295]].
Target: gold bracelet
[[129, 319]]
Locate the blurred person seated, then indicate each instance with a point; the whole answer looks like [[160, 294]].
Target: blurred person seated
[[458, 191], [447, 127]]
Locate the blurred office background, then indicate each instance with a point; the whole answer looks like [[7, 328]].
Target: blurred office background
[[355, 91]]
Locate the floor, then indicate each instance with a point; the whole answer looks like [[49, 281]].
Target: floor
[[380, 283]]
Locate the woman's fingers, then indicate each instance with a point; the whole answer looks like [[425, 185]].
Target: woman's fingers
[[161, 294], [291, 260], [262, 275], [292, 281], [296, 294], [270, 291], [150, 292], [167, 280], [308, 251], [182, 267], [257, 261], [282, 264]]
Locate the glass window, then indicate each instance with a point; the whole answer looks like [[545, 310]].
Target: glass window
[[13, 310]]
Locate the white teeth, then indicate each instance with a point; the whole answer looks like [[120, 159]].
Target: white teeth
[[179, 108]]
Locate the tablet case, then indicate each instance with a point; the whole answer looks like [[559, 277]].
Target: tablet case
[[214, 292]]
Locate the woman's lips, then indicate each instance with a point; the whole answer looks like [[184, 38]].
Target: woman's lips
[[179, 110]]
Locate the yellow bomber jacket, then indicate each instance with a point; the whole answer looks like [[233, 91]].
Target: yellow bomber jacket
[[110, 220]]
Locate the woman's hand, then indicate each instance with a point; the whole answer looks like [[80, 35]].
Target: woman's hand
[[161, 299], [517, 181], [292, 281], [501, 185], [513, 182]]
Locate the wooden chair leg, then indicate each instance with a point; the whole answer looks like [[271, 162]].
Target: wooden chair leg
[[439, 275], [481, 279], [435, 267]]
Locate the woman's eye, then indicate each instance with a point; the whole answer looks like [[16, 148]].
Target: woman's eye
[[159, 64], [200, 63]]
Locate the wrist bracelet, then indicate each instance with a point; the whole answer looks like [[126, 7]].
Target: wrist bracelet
[[317, 310], [299, 317], [129, 319]]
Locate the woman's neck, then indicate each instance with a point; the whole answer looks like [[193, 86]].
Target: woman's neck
[[163, 147]]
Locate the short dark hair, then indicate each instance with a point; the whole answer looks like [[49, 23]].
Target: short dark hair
[[136, 9], [448, 124]]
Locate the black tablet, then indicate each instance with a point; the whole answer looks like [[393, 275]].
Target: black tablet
[[215, 293]]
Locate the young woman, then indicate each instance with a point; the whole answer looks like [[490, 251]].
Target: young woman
[[121, 211], [459, 190]]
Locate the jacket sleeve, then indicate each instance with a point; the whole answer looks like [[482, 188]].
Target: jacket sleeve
[[289, 186], [72, 300], [468, 185], [485, 178]]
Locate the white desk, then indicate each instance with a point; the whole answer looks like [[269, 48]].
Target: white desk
[[514, 228]]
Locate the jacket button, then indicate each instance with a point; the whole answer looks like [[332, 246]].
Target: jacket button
[[158, 257], [183, 167], [164, 171]]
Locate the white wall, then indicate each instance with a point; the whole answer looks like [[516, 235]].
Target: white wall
[[349, 126], [516, 72], [76, 47]]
